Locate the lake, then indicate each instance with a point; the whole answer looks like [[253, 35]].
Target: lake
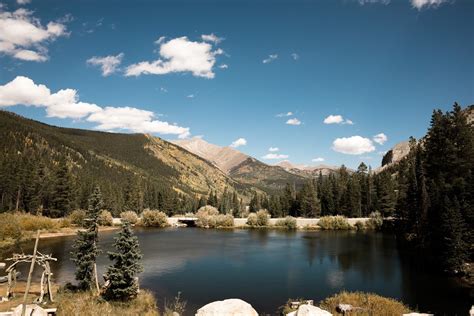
[[266, 267]]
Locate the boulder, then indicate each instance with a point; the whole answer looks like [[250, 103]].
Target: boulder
[[418, 314], [31, 310], [231, 307], [310, 310], [471, 312]]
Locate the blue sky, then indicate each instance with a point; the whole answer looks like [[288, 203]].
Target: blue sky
[[383, 65]]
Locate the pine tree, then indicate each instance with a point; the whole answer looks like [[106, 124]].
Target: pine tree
[[86, 248], [309, 204], [121, 275], [62, 191]]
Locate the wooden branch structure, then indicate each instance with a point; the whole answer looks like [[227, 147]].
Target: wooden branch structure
[[36, 259]]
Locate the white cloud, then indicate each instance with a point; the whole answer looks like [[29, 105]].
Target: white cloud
[[223, 66], [23, 37], [160, 40], [318, 159], [275, 156], [65, 104], [293, 121], [362, 2], [179, 55], [21, 2], [354, 145], [270, 58], [419, 4], [135, 120], [273, 149], [284, 114], [238, 142], [108, 64], [190, 96], [163, 89], [380, 138], [211, 38], [337, 119], [295, 56]]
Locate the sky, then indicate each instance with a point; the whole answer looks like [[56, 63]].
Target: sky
[[333, 82]]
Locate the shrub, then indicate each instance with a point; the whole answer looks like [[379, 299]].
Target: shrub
[[129, 216], [262, 218], [205, 216], [10, 227], [78, 217], [30, 222], [224, 220], [369, 304], [252, 220], [359, 225], [288, 222], [375, 221], [87, 304], [209, 217], [153, 218], [176, 307], [334, 223], [105, 218]]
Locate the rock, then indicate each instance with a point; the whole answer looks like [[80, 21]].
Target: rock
[[471, 312], [344, 308], [310, 310], [418, 314], [231, 307]]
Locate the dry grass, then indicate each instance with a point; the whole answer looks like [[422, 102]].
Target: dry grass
[[370, 304], [85, 304]]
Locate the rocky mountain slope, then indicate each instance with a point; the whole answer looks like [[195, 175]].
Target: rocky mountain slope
[[305, 170], [243, 168]]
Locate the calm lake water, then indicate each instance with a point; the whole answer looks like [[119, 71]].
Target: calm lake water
[[265, 268]]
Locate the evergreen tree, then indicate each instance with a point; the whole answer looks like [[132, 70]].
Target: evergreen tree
[[309, 204], [85, 248], [62, 191], [121, 275]]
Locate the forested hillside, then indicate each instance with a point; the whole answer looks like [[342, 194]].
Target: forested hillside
[[55, 169]]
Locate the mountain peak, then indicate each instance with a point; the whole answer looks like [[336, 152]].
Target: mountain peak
[[225, 158]]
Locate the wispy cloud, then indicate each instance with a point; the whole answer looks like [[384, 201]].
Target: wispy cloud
[[380, 138], [212, 38], [318, 159], [223, 66], [270, 58], [295, 56], [420, 4], [274, 156], [284, 114], [273, 149], [108, 64]]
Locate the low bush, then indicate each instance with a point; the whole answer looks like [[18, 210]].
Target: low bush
[[105, 218], [129, 216], [209, 217], [87, 304], [366, 304], [334, 223], [288, 222], [359, 225], [252, 220], [153, 218], [375, 221], [78, 217], [10, 227], [30, 222], [262, 218]]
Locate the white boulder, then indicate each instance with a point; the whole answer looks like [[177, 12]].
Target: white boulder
[[31, 310], [418, 314], [231, 307], [310, 310]]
